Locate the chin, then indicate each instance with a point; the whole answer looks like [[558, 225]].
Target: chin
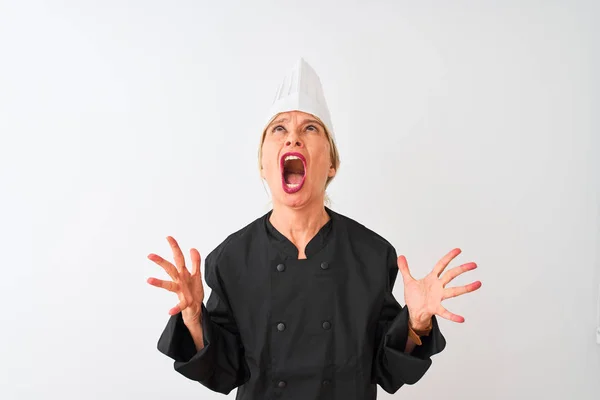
[[297, 199]]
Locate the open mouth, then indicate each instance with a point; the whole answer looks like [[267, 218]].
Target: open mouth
[[293, 172]]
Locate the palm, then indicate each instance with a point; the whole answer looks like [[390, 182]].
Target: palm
[[424, 297], [187, 285]]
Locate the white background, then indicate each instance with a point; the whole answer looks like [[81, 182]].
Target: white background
[[460, 124]]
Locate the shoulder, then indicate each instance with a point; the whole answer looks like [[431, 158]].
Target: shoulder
[[235, 242], [371, 249], [363, 236]]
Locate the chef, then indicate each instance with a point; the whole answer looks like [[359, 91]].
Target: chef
[[301, 306]]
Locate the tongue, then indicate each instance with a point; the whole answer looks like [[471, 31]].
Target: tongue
[[291, 177]]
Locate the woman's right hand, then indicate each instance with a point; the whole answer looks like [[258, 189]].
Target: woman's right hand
[[188, 286]]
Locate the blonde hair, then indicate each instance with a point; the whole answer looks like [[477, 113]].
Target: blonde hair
[[334, 155]]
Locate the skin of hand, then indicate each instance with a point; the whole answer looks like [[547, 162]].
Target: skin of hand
[[187, 285], [424, 297]]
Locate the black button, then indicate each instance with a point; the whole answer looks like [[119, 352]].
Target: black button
[[326, 325], [326, 382], [281, 327], [281, 268], [281, 384], [324, 265]]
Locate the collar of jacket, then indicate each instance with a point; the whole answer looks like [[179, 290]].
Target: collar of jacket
[[314, 245]]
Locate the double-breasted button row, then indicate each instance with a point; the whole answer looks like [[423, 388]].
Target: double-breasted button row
[[326, 325], [324, 266]]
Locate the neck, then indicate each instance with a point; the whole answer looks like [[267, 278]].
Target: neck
[[299, 225]]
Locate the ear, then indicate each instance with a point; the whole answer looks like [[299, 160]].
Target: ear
[[332, 172]]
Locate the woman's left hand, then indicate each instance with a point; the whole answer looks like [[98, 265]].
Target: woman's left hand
[[424, 297]]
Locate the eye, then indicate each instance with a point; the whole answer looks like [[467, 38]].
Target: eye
[[276, 129], [314, 128]]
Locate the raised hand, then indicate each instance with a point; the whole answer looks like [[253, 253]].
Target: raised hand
[[424, 297], [188, 286]]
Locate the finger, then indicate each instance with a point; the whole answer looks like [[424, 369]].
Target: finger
[[178, 308], [167, 266], [170, 286], [457, 291], [444, 261], [403, 267], [442, 312], [195, 256], [456, 271], [177, 254]]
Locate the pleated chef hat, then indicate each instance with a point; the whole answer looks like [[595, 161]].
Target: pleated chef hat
[[301, 90]]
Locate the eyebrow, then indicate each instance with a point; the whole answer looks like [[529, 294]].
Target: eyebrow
[[306, 121], [278, 121]]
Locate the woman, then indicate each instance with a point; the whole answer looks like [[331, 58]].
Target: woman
[[301, 304]]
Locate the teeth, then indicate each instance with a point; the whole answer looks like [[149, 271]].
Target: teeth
[[292, 185], [291, 158]]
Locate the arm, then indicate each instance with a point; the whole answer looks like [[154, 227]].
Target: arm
[[197, 336], [211, 352], [414, 336], [398, 362]]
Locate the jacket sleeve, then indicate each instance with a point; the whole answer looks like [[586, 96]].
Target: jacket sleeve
[[220, 365], [392, 366]]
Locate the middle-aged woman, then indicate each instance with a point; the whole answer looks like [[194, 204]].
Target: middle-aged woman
[[301, 305]]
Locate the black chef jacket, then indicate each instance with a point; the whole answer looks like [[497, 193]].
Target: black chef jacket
[[324, 327]]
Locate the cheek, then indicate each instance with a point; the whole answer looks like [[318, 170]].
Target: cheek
[[269, 159], [323, 162]]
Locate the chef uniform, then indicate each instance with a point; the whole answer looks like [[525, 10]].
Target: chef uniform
[[324, 327]]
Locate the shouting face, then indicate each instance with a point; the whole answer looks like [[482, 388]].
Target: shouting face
[[296, 159]]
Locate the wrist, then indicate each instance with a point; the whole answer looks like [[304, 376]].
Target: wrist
[[193, 323], [420, 325]]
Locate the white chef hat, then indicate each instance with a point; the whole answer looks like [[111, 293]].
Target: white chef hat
[[301, 90]]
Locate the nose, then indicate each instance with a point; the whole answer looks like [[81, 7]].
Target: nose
[[296, 143], [293, 141]]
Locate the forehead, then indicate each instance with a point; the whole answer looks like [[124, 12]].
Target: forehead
[[296, 117]]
